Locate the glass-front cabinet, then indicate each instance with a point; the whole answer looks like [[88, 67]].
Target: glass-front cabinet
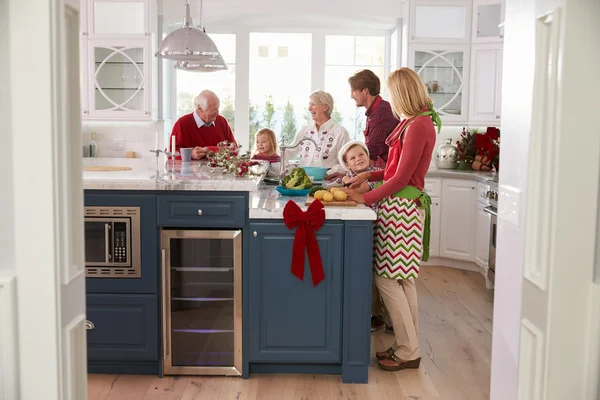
[[202, 305], [445, 71], [116, 59], [118, 80]]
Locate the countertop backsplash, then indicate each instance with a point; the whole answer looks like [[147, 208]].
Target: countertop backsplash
[[139, 137]]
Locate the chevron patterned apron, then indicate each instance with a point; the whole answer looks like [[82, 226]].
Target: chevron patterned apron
[[398, 238]]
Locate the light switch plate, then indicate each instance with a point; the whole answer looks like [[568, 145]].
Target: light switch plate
[[509, 204], [119, 144]]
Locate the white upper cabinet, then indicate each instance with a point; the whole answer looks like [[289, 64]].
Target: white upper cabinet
[[444, 69], [487, 16], [440, 21], [125, 18], [486, 83], [116, 59]]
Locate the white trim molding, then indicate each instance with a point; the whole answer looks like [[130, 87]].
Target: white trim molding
[[531, 363], [8, 338], [544, 145]]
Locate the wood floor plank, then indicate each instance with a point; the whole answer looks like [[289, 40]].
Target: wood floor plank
[[455, 320], [100, 385], [130, 387]]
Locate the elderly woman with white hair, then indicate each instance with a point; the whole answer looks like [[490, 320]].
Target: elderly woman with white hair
[[329, 136]]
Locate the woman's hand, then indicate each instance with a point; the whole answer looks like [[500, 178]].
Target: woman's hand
[[359, 179], [354, 195]]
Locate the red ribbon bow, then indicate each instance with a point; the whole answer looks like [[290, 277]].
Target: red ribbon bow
[[306, 223]]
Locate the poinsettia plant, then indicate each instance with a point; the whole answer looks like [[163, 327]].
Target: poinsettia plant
[[228, 158], [488, 149]]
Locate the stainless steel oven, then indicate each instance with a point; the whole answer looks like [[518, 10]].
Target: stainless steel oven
[[491, 273], [492, 209], [112, 242]]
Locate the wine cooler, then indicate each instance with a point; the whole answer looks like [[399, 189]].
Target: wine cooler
[[202, 302]]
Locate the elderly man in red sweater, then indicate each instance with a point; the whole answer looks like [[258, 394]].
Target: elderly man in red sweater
[[204, 128]]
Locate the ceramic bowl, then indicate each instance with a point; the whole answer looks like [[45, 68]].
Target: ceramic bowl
[[318, 173], [292, 192]]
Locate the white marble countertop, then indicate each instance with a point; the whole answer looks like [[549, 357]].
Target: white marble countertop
[[480, 176], [151, 175], [267, 203]]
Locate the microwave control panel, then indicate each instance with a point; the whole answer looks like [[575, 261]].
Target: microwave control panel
[[120, 242]]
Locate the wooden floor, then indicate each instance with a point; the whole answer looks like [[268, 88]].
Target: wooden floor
[[455, 331]]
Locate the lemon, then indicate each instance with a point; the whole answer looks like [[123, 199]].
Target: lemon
[[328, 197], [340, 195], [319, 194], [333, 190]]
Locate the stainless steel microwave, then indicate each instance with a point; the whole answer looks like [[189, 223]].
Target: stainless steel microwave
[[112, 242]]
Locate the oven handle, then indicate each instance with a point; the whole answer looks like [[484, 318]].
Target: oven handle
[[108, 241], [491, 210]]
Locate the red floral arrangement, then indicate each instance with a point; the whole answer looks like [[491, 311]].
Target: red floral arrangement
[[229, 159], [488, 150]]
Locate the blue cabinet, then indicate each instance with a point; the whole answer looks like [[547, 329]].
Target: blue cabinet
[[203, 211], [122, 327], [290, 320]]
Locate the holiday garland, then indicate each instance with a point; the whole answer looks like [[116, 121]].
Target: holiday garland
[[229, 159]]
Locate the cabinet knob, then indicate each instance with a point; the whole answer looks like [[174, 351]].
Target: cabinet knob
[[497, 117], [86, 112], [199, 212], [254, 234], [89, 325], [412, 37], [501, 36], [472, 187], [84, 33]]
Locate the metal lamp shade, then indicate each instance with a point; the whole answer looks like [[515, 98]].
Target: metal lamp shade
[[187, 44], [207, 64]]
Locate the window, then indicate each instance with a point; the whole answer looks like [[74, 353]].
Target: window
[[346, 55], [280, 81], [189, 83]]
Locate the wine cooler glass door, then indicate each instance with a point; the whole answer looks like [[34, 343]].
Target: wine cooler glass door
[[202, 302]]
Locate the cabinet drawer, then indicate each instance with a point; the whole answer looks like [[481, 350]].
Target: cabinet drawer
[[202, 211], [433, 187], [123, 327]]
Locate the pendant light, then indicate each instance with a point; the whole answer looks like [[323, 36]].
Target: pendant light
[[190, 45], [209, 64]]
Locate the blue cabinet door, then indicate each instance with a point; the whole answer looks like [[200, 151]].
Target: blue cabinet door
[[290, 320], [124, 327]]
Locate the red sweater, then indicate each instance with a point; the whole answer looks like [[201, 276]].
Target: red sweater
[[188, 134], [408, 159]]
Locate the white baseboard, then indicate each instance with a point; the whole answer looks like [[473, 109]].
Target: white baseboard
[[8, 338]]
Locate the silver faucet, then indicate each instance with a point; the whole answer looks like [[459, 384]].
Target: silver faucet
[[283, 147]]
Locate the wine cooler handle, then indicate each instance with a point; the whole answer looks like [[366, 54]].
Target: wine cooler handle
[[165, 304]]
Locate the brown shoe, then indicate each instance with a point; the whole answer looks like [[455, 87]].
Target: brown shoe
[[382, 355], [398, 364]]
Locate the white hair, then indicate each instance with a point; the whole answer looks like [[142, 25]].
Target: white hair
[[203, 98], [322, 97]]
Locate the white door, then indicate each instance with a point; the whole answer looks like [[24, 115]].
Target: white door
[[554, 325], [48, 199]]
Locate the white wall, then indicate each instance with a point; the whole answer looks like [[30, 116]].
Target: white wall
[[139, 137], [7, 244]]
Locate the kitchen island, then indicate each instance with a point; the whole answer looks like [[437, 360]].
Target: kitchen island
[[283, 324]]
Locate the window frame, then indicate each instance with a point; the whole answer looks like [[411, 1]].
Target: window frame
[[242, 63]]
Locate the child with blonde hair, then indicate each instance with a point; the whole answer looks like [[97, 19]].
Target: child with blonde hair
[[265, 146]]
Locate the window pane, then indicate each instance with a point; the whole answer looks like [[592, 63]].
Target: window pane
[[280, 82], [339, 50], [190, 84], [370, 50], [336, 83]]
